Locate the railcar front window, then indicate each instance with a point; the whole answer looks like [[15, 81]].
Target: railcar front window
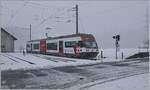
[[88, 44]]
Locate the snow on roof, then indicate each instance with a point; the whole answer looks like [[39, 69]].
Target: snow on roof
[[64, 36], [2, 29]]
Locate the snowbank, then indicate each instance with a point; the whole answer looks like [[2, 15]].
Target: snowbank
[[110, 53]]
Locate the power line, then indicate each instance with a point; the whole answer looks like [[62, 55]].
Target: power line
[[13, 15], [45, 6], [17, 11], [54, 15]]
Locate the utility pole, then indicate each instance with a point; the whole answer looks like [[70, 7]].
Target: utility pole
[[30, 32], [76, 19], [147, 27]]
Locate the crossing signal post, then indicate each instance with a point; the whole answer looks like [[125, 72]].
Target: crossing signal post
[[117, 39]]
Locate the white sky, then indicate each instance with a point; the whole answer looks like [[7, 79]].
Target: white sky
[[103, 19]]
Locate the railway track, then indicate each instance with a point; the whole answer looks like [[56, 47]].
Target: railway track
[[11, 58], [16, 59], [46, 58], [55, 59]]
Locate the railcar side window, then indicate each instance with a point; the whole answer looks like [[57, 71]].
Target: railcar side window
[[36, 46], [51, 46], [70, 43]]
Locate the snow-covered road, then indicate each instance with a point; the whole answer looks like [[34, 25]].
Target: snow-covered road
[[137, 82], [73, 77]]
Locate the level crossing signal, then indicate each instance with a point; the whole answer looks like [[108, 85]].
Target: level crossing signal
[[117, 39]]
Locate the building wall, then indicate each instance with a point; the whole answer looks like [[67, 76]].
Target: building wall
[[7, 42]]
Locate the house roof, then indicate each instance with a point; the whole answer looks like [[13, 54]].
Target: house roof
[[8, 33]]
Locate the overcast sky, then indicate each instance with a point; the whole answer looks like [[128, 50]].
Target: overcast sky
[[103, 19]]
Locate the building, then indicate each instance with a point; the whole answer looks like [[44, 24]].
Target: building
[[6, 41]]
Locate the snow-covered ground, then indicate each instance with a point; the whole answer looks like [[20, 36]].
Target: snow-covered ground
[[8, 61], [107, 76], [138, 82], [11, 61]]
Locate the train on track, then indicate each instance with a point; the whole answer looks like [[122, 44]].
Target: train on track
[[75, 45]]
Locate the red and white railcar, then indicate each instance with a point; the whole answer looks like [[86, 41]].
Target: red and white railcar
[[75, 45]]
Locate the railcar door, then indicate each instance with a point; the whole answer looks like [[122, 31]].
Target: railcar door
[[31, 48], [61, 48], [43, 46]]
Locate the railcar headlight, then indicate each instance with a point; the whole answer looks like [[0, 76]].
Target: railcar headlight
[[80, 50]]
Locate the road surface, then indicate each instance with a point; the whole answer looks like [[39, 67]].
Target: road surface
[[70, 76]]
